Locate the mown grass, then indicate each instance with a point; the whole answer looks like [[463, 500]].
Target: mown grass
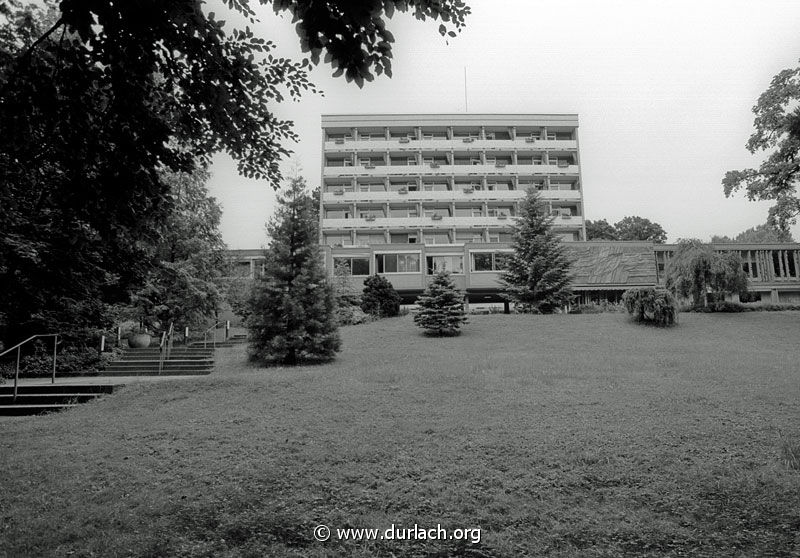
[[556, 435]]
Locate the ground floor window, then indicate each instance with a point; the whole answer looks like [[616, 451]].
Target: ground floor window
[[397, 263], [355, 266], [453, 264], [489, 261]]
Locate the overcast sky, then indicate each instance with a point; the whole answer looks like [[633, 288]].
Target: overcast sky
[[663, 90]]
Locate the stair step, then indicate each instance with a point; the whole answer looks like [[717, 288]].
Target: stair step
[[25, 410], [165, 372], [58, 388], [151, 363], [47, 398]]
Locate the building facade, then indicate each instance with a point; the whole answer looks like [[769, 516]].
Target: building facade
[[407, 195]]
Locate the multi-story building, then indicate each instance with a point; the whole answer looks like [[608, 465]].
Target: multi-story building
[[406, 195]]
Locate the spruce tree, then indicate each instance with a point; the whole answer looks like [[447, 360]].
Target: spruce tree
[[379, 298], [292, 308], [537, 276], [441, 307]]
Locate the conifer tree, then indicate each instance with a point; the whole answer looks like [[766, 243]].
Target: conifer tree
[[441, 307], [537, 277], [379, 298], [292, 308]]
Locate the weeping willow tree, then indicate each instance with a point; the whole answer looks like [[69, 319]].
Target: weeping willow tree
[[695, 269]]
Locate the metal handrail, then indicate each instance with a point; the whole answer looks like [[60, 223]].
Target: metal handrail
[[18, 347], [161, 352], [165, 347], [214, 338]]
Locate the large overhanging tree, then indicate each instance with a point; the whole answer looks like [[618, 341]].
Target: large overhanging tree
[[98, 97], [777, 130]]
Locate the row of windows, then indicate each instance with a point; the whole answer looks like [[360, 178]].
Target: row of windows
[[363, 239], [444, 135], [443, 187], [410, 263], [405, 212], [472, 161]]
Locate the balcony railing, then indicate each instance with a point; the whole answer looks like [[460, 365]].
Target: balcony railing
[[442, 223], [448, 195], [470, 144], [458, 170]]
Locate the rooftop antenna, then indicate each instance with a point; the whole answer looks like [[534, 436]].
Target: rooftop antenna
[[466, 104]]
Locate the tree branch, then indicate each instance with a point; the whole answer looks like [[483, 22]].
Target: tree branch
[[41, 39]]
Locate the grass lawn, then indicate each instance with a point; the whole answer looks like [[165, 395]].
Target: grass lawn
[[556, 435]]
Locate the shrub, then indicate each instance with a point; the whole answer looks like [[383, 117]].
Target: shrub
[[773, 307], [597, 308], [70, 361], [650, 304], [441, 307], [351, 315], [379, 298]]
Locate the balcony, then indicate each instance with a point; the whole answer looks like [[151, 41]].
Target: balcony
[[449, 195], [450, 170], [381, 145], [415, 223]]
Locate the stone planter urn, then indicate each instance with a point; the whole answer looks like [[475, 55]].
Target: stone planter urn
[[139, 340]]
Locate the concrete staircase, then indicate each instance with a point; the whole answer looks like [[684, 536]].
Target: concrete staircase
[[191, 360], [47, 398]]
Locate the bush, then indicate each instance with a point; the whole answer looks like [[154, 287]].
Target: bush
[[597, 308], [70, 361], [653, 305], [773, 307], [351, 315], [379, 298]]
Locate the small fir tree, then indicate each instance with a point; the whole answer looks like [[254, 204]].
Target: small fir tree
[[441, 307], [379, 298], [537, 276], [292, 308]]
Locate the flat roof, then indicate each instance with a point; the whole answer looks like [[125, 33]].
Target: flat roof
[[449, 119]]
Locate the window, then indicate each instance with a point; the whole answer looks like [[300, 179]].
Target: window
[[477, 212], [489, 261], [397, 263], [427, 160], [337, 214], [411, 161], [474, 161], [356, 266], [347, 163], [494, 238], [365, 161], [363, 188], [340, 239], [437, 238], [481, 262], [453, 264], [428, 187], [364, 137], [491, 160]]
